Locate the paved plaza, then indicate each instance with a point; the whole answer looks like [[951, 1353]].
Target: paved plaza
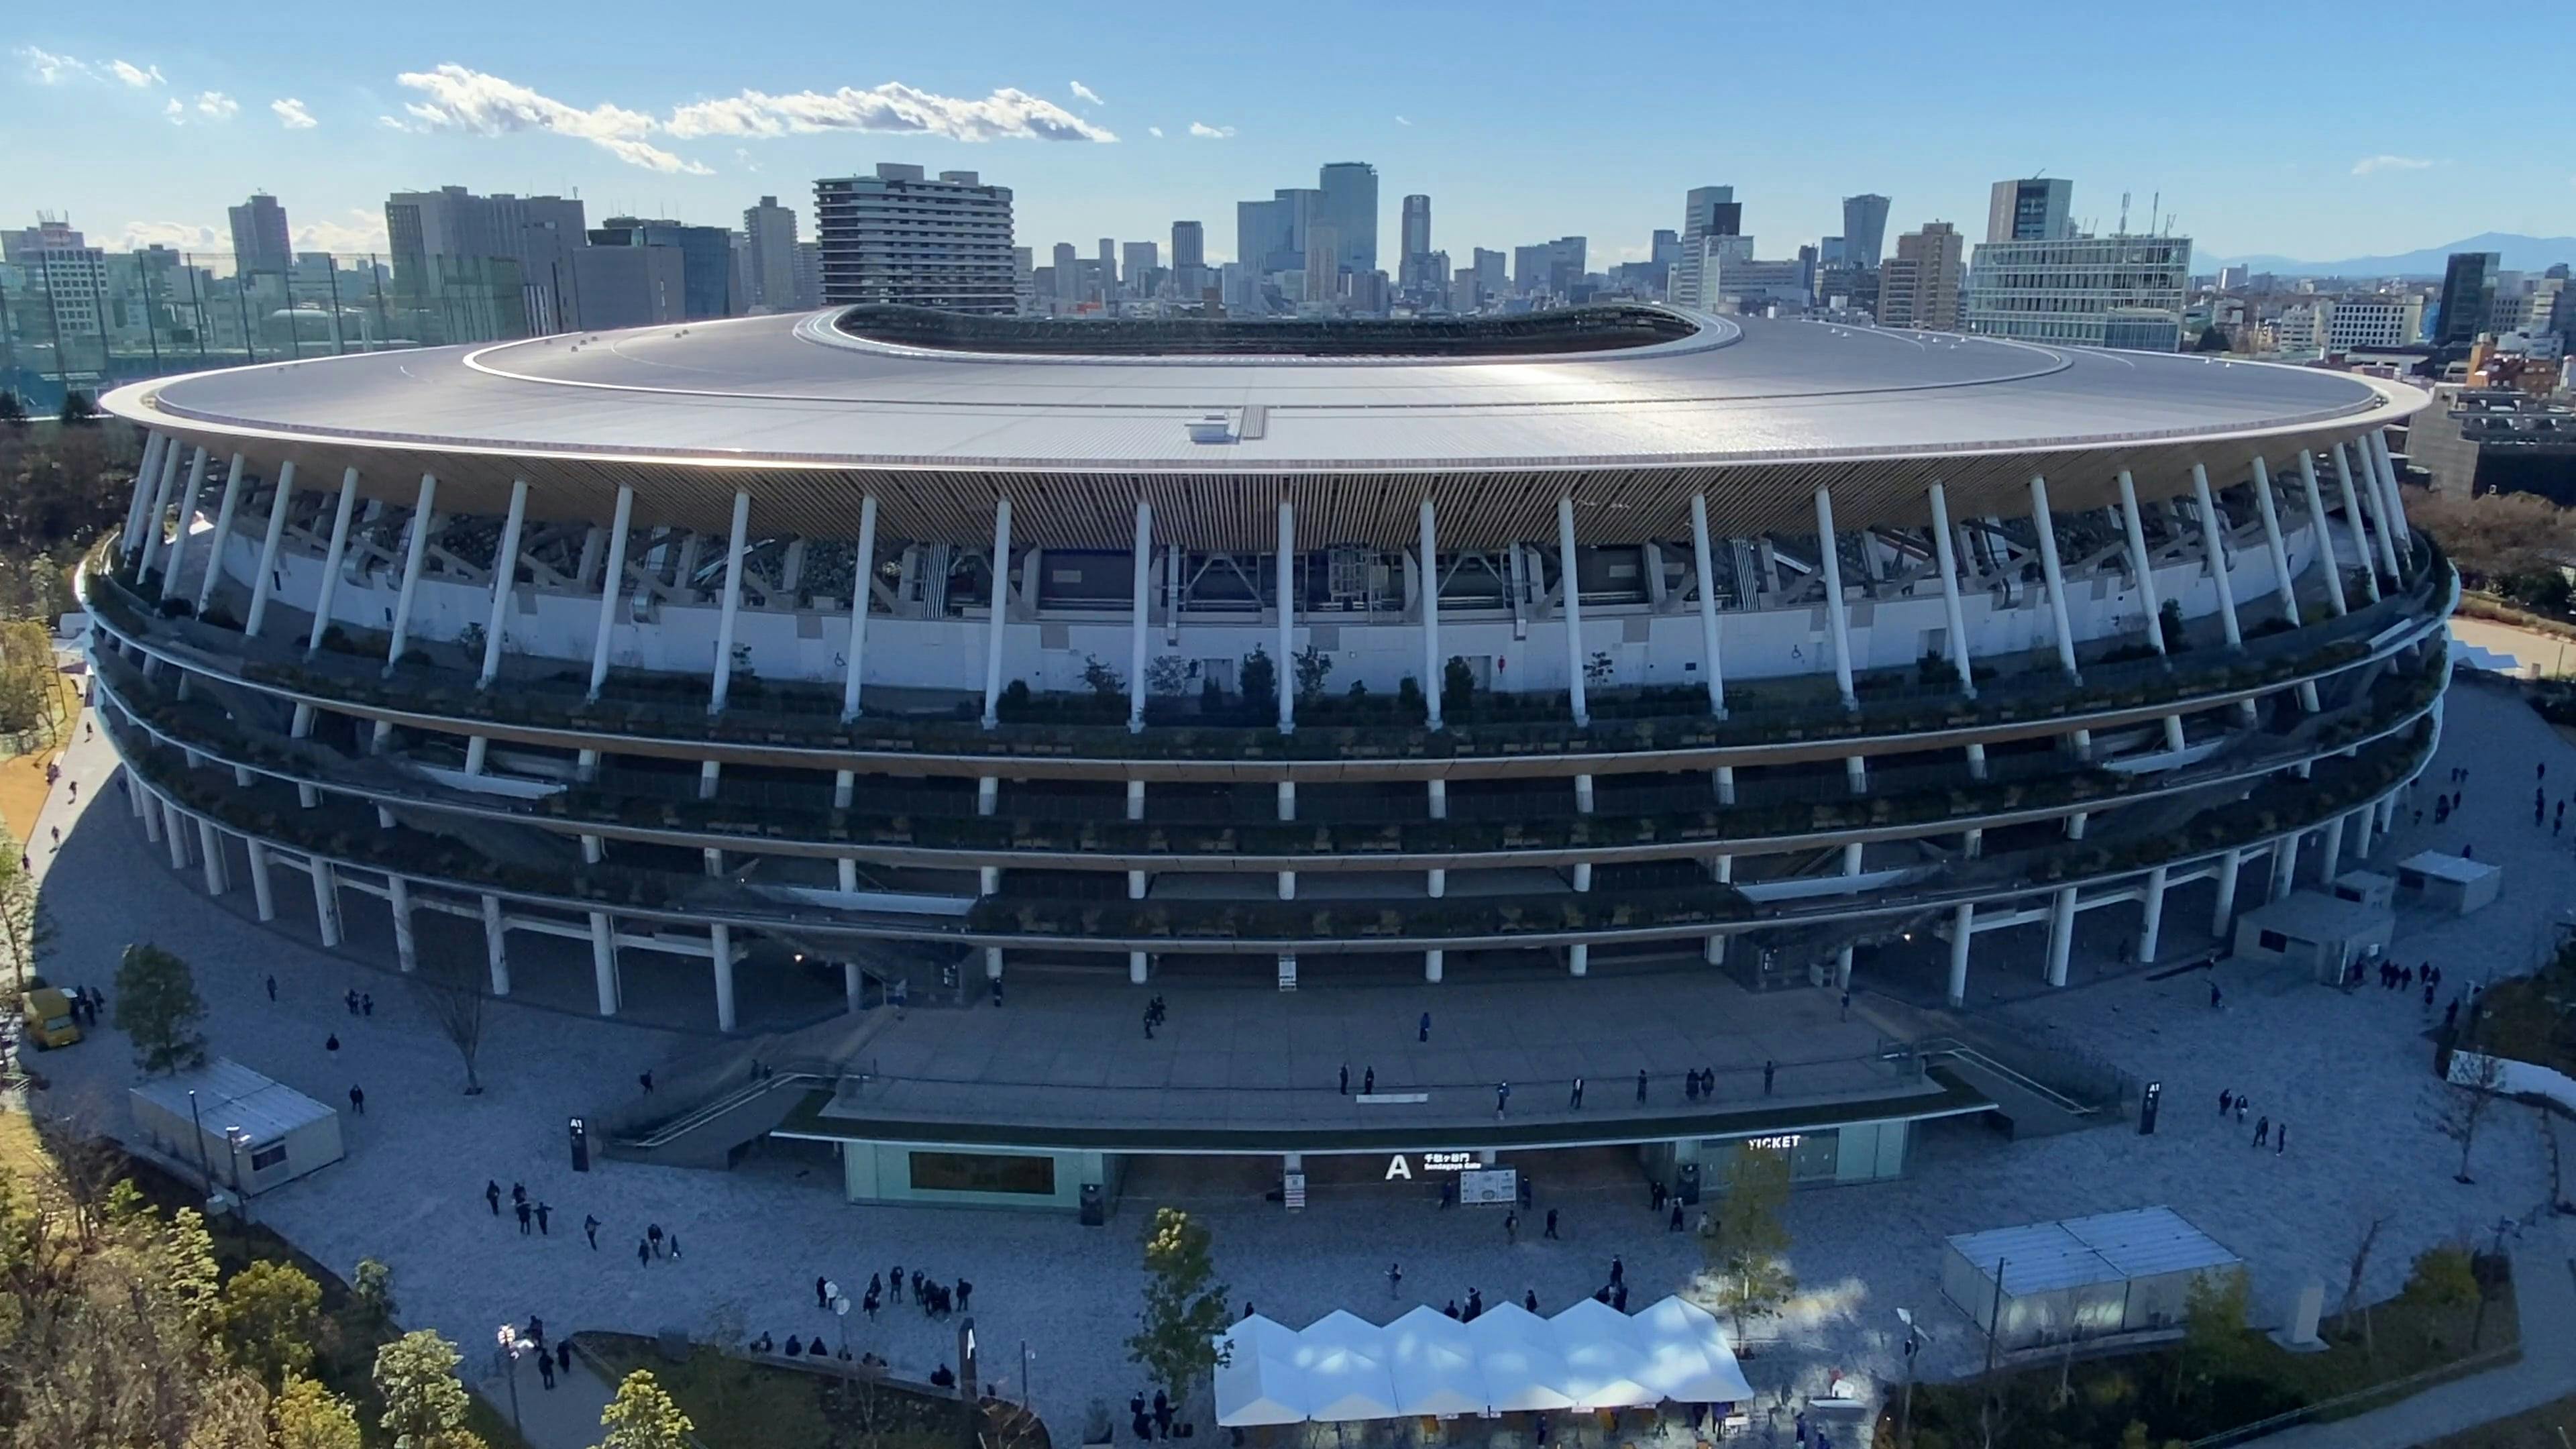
[[2348, 1074]]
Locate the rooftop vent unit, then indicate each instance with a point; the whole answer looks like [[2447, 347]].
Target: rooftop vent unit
[[1213, 428]]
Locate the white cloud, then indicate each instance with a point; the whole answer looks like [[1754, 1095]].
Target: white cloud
[[137, 77], [392, 123], [364, 232], [49, 68], [291, 114], [1154, 131], [175, 113], [2368, 164], [486, 105], [1086, 93], [743, 158], [216, 106], [1208, 132], [180, 235], [1006, 114], [1401, 121]]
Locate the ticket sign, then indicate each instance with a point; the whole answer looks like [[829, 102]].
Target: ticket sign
[[1781, 1143], [1401, 1165]]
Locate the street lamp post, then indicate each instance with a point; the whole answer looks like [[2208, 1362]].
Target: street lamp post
[[841, 1311], [510, 1346], [1913, 1340], [241, 1201], [1026, 1401]]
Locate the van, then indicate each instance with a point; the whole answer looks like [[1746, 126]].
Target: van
[[49, 1018]]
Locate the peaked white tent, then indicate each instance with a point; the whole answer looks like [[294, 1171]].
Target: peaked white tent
[[1343, 1359], [1604, 1368], [1434, 1364], [1686, 1357], [1259, 1382], [1518, 1353]]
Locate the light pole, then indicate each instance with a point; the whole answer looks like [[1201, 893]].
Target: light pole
[[241, 1201], [510, 1346], [841, 1311], [1913, 1340], [1025, 1360]]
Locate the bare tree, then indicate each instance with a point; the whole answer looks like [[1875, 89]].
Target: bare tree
[[2478, 1080], [453, 1000], [2352, 1288]]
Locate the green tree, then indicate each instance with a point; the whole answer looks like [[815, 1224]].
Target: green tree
[[77, 410], [2214, 1341], [271, 1313], [2443, 1277], [26, 927], [157, 1005], [2213, 338], [1457, 685], [13, 413], [642, 1416], [1259, 678], [1185, 1307], [371, 1297], [310, 1416], [416, 1377], [1314, 667], [1747, 1253]]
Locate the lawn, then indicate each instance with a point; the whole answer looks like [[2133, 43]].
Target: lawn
[[2533, 1018], [2551, 1426], [738, 1404]]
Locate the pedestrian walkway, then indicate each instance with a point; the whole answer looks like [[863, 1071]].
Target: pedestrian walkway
[[2544, 1275], [563, 1417]]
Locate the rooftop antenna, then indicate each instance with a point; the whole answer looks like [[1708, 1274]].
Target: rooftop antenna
[[2124, 213], [2156, 207]]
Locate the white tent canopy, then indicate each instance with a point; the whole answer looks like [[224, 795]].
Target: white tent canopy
[[1590, 1356]]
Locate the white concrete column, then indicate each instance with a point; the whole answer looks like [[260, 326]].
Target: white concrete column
[[2325, 534], [1943, 553], [406, 944], [1722, 780], [2140, 563], [720, 938], [999, 614], [415, 550], [2285, 865], [496, 945], [2374, 501], [2151, 918], [1435, 883], [1434, 965], [1573, 611], [1141, 615], [262, 581], [853, 988], [188, 499], [603, 961], [332, 559], [262, 885], [2285, 586], [1582, 875], [1437, 803], [988, 880], [612, 587], [2046, 526], [147, 480], [1963, 930], [174, 832], [992, 963], [1285, 675], [1434, 667], [1843, 969], [210, 853], [225, 512], [2352, 518], [326, 899], [161, 495], [862, 588], [730, 609], [2061, 934], [1140, 968], [2330, 859], [1708, 645], [1583, 795], [1837, 615], [2388, 478], [988, 794], [2222, 914], [845, 872], [2212, 545], [1135, 799], [1578, 959]]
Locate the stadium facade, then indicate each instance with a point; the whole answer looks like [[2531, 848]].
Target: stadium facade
[[927, 643]]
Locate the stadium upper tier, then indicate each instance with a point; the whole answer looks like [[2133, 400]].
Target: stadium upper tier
[[1630, 409]]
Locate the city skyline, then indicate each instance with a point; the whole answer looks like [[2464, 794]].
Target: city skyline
[[1121, 140]]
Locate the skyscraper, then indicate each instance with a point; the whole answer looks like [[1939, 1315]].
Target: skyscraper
[[769, 234], [1137, 263], [1414, 264], [2031, 209], [2468, 290], [1919, 286], [261, 242], [483, 267], [1189, 246], [1864, 228], [1108, 268], [706, 251], [1323, 268], [897, 236], [1350, 208], [1067, 266], [1707, 211]]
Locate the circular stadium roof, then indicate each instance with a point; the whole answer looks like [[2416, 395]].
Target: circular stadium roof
[[1631, 391]]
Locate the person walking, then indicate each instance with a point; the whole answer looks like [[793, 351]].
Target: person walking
[[272, 988], [1618, 1270], [1394, 1279], [1675, 1225], [543, 1213], [1529, 1300], [526, 1214], [1424, 1032], [546, 1369], [1502, 1097], [653, 1235], [1368, 1082], [492, 1195], [1345, 1088], [2226, 1099], [2263, 1132], [590, 1230], [822, 1291], [331, 1044], [1575, 1102], [519, 1193], [358, 1099], [1769, 1068], [673, 1243], [2215, 995], [2281, 1139], [366, 1003], [1641, 1086], [1551, 1224], [2242, 1102], [643, 1253], [1511, 1228]]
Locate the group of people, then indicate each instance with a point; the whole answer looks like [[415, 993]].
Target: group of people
[[935, 1299], [2266, 1132], [536, 1219], [1155, 1015], [87, 1003], [550, 1361], [1154, 1422]]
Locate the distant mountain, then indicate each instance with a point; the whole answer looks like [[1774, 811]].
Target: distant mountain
[[2520, 254]]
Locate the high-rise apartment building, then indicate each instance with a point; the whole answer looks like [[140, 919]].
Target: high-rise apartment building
[[1413, 267], [1707, 211], [1919, 286], [1349, 207], [2468, 290], [706, 253], [261, 243], [2088, 291], [73, 272], [1864, 229], [769, 234], [897, 236], [2031, 209], [1323, 264]]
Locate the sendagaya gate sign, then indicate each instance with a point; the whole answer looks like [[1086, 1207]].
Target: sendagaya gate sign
[[1401, 1166]]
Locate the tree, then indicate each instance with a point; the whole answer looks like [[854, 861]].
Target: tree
[[2213, 1330], [2496, 537], [1259, 677], [2444, 1276], [77, 410], [2352, 1287], [1457, 685], [26, 927], [1103, 681], [157, 1005], [309, 1416], [371, 1297], [1185, 1307], [1314, 667], [271, 1313], [453, 1001], [13, 413], [642, 1416], [416, 1377], [1751, 1239], [2213, 338], [2478, 1080]]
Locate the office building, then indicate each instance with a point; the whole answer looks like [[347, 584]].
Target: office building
[[769, 233], [470, 268], [1349, 207], [1492, 276], [1707, 211], [1189, 246], [2360, 323], [2468, 289], [635, 285], [1323, 266], [1864, 229], [72, 272], [1565, 265], [2231, 278], [2033, 209], [261, 242], [707, 251], [1919, 286], [1529, 269], [898, 236], [1107, 259], [1270, 236], [809, 275], [2067, 290], [1138, 264], [1413, 266]]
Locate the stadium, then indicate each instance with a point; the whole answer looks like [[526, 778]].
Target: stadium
[[896, 655]]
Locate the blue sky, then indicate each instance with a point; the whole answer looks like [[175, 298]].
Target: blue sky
[[2312, 131]]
